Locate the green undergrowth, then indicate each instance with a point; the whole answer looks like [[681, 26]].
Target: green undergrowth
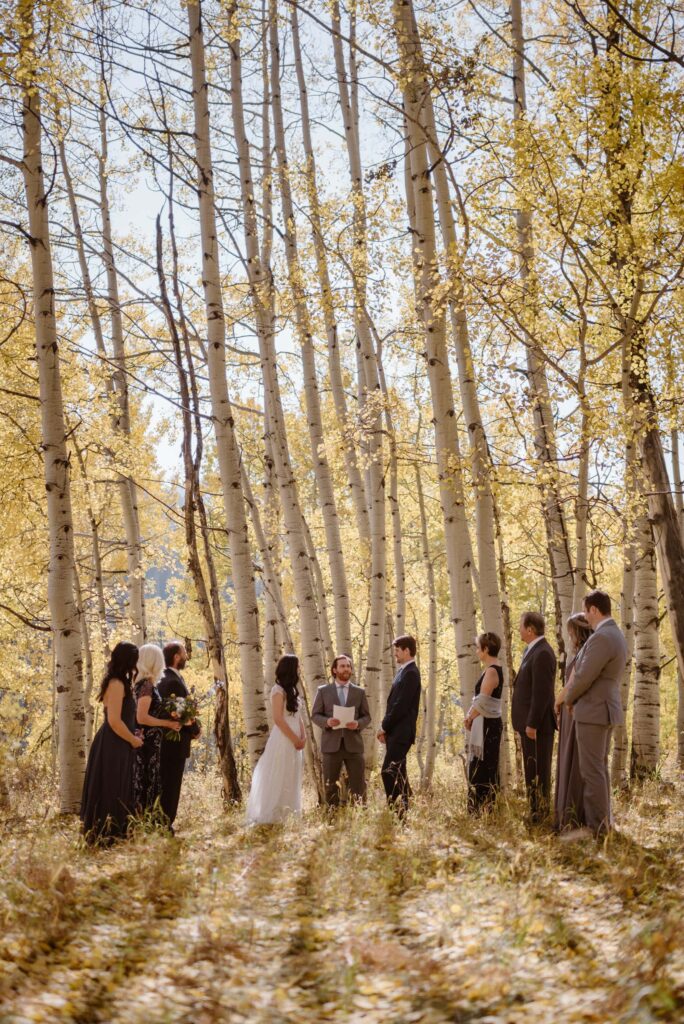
[[347, 917]]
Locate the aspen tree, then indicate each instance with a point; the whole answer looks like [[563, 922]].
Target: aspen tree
[[229, 458], [312, 654], [64, 613], [421, 220], [323, 477]]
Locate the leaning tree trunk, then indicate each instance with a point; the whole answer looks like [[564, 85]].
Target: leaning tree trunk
[[251, 666], [66, 627], [646, 721], [558, 541], [192, 464]]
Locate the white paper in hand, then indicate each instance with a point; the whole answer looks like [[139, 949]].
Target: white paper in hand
[[343, 715]]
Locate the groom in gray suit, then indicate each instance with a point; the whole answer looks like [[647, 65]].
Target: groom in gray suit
[[594, 697], [342, 747]]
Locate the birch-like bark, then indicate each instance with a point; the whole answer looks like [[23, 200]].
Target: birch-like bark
[[229, 460], [128, 491], [646, 719], [192, 463], [370, 396], [345, 425], [679, 506], [313, 664], [426, 275], [619, 772], [558, 541], [431, 694], [321, 467], [65, 620]]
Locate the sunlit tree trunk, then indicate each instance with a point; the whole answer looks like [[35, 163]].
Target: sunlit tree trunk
[[679, 505], [345, 423], [323, 477], [421, 219], [370, 395], [251, 666], [312, 651], [431, 690], [64, 616], [544, 429], [646, 720]]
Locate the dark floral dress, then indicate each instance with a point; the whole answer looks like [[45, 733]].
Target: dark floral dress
[[147, 774]]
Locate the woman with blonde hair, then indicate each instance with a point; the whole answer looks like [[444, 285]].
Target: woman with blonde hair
[[152, 720], [569, 803]]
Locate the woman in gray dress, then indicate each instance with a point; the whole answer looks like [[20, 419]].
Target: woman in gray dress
[[569, 804]]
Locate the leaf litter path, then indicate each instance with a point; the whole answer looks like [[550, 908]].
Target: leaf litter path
[[354, 919]]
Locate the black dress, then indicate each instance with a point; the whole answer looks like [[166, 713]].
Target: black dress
[[483, 772], [108, 800], [147, 772]]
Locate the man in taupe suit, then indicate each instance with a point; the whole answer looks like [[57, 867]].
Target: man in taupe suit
[[342, 747], [594, 697]]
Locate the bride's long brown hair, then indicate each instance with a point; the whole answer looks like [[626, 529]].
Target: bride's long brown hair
[[287, 676]]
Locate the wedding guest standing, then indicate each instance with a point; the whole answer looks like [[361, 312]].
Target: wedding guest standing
[[594, 695], [485, 725], [153, 721], [569, 803], [108, 797], [342, 747], [174, 754], [276, 789], [398, 730], [532, 712]]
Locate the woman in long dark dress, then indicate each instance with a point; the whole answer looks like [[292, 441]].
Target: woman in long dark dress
[[569, 803], [485, 735], [108, 801], [152, 719]]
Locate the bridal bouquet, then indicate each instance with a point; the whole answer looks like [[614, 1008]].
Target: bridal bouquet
[[183, 710]]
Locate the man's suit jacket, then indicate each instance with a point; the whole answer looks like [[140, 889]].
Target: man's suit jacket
[[595, 689], [170, 683], [533, 693], [403, 704], [332, 739]]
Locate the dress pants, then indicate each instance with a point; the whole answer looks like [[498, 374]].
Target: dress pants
[[172, 768], [593, 743], [537, 757], [394, 777], [356, 774]]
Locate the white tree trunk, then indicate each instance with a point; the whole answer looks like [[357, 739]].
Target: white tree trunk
[[324, 484], [646, 720], [545, 435], [128, 491], [312, 655], [346, 427], [66, 627], [229, 460], [431, 695]]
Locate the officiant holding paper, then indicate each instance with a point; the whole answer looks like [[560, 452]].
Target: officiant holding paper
[[341, 712]]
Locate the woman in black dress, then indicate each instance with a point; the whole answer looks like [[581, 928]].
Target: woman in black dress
[[569, 804], [483, 766], [152, 719], [108, 800]]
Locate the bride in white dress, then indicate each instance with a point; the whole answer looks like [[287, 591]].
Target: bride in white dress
[[277, 781]]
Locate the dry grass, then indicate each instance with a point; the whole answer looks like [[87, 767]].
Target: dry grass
[[351, 918]]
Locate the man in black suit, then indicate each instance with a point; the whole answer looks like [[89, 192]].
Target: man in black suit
[[398, 729], [532, 712], [174, 753]]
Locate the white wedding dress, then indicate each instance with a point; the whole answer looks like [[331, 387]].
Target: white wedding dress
[[277, 781]]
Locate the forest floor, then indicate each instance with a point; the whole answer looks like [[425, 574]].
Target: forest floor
[[355, 918]]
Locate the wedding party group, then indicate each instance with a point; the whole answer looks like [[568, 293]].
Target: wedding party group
[[138, 756]]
